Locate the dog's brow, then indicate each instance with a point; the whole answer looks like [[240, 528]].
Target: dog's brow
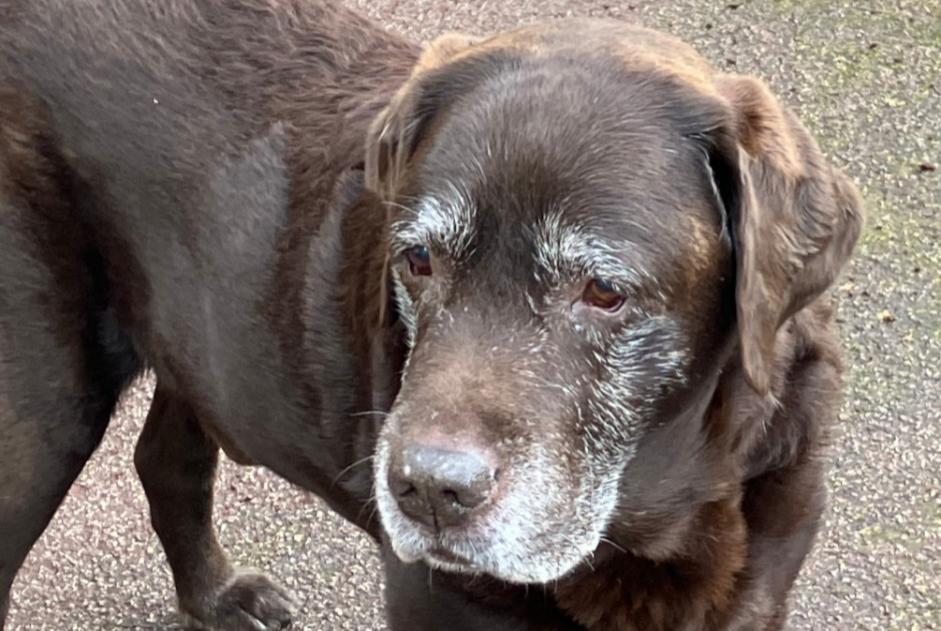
[[447, 221], [562, 250]]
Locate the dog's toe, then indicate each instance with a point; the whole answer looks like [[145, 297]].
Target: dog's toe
[[248, 602]]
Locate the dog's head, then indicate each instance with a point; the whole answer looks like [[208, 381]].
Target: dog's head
[[585, 224]]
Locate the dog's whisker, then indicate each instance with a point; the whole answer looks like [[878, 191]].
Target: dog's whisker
[[401, 207], [381, 413], [349, 468], [372, 513], [613, 544], [371, 501]]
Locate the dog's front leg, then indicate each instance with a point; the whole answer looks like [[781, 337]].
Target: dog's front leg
[[176, 462]]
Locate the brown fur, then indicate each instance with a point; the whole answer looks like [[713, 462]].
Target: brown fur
[[207, 189]]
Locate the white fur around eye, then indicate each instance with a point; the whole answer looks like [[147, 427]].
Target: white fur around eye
[[448, 222], [567, 252]]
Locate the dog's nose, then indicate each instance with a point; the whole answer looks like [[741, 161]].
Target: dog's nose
[[438, 487]]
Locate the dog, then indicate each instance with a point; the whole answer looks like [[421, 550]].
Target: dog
[[566, 283], [610, 261]]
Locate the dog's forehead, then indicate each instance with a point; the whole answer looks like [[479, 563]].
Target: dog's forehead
[[550, 155]]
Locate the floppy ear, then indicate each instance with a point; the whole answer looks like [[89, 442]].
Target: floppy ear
[[398, 129], [796, 222]]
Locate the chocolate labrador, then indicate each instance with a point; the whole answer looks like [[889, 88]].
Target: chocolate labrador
[[565, 282]]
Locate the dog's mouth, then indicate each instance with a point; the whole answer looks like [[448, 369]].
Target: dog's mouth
[[459, 554], [446, 557], [442, 551], [440, 556]]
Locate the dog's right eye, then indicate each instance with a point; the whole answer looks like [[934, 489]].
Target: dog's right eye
[[601, 294], [419, 260]]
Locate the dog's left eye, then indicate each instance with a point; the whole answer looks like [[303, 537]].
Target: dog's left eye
[[601, 294], [419, 260]]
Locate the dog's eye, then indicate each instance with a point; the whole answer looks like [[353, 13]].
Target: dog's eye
[[601, 294], [419, 260]]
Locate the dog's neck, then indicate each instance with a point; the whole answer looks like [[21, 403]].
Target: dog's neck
[[328, 102], [327, 275]]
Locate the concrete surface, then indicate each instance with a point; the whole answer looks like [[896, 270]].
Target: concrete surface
[[866, 77]]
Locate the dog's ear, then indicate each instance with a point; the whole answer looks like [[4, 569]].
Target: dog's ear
[[795, 219], [398, 129]]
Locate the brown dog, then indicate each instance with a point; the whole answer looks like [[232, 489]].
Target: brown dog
[[621, 377], [591, 264]]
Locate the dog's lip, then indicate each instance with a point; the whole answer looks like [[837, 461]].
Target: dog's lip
[[440, 553]]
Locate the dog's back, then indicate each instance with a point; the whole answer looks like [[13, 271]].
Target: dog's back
[[174, 118], [139, 90]]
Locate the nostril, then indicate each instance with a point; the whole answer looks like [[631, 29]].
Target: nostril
[[466, 490], [400, 484], [441, 488]]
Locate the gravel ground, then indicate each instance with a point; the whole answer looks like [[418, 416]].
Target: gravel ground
[[866, 78]]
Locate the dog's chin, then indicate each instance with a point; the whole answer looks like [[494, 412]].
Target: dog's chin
[[502, 560], [442, 559], [537, 572]]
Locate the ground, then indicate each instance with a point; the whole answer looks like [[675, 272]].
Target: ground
[[865, 76]]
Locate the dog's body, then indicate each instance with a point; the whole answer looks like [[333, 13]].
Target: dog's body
[[166, 184], [182, 186]]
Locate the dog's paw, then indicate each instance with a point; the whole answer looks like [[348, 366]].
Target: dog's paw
[[248, 602]]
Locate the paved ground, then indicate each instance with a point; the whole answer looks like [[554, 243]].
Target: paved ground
[[866, 77]]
